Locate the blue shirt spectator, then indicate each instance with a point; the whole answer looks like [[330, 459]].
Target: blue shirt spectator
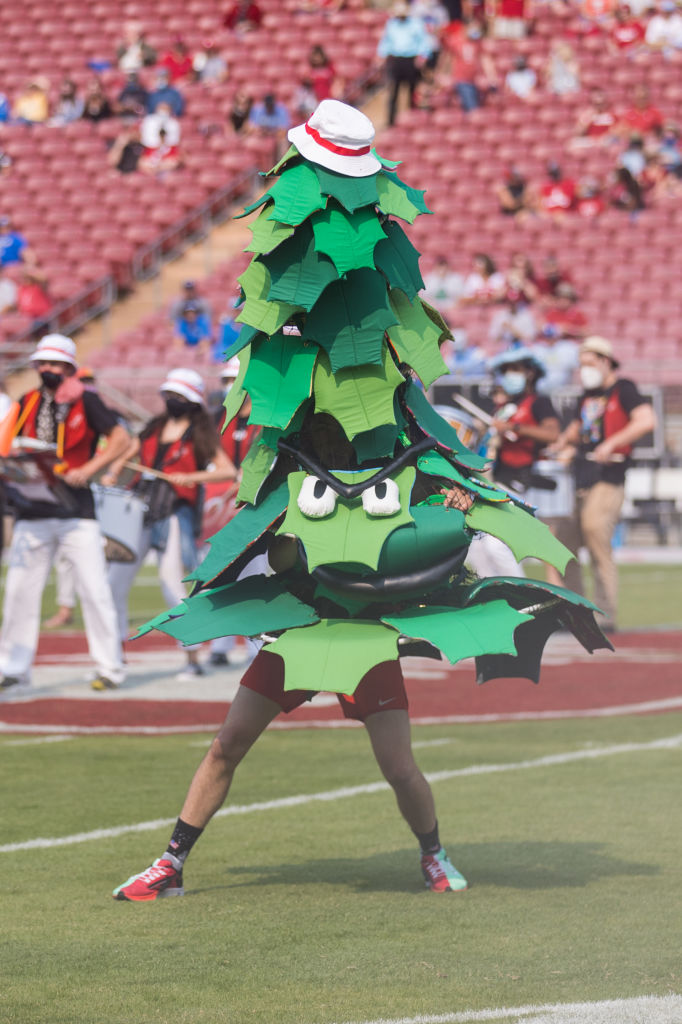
[[193, 326], [405, 36], [270, 116], [12, 244], [4, 108], [166, 93]]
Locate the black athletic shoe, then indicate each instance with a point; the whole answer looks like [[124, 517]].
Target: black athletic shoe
[[218, 659]]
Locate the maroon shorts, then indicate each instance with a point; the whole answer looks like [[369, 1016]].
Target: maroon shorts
[[380, 689]]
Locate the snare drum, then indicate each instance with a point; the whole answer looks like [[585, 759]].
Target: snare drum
[[121, 519], [556, 503]]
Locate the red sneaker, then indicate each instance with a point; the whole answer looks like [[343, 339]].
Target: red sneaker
[[161, 879], [440, 873]]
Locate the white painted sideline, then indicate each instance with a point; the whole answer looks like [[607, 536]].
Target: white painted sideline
[[639, 1010], [667, 743]]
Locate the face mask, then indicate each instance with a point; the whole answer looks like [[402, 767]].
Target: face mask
[[591, 377], [513, 382], [178, 407], [50, 379]]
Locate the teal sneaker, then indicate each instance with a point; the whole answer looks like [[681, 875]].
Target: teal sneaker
[[440, 874]]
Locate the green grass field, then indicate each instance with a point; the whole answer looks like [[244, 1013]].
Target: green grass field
[[317, 913]]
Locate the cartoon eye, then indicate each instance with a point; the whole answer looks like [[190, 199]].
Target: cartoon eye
[[382, 500], [315, 499]]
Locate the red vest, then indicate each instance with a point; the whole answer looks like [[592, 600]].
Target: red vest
[[236, 447], [615, 418], [522, 451], [79, 437], [179, 458]]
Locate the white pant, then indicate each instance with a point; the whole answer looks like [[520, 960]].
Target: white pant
[[489, 556], [171, 573], [65, 579], [36, 543]]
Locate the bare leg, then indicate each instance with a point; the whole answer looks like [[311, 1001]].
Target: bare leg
[[249, 715], [389, 733]]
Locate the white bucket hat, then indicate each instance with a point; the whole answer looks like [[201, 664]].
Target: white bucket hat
[[337, 137], [55, 348], [230, 369], [187, 383]]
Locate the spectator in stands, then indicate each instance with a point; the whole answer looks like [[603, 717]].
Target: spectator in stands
[[514, 195], [464, 358], [126, 149], [322, 73], [32, 105], [443, 287], [164, 156], [304, 100], [134, 52], [8, 292], [511, 19], [192, 327], [484, 284], [549, 282], [513, 322], [96, 105], [664, 31], [165, 93], [405, 47], [435, 17], [243, 16], [521, 80], [69, 106], [472, 71], [5, 162], [208, 65], [556, 197], [32, 295], [190, 293], [13, 245], [240, 110], [269, 118], [133, 99], [562, 71], [625, 192], [627, 32], [563, 314], [177, 61], [5, 108], [558, 354], [521, 277], [589, 201], [597, 123], [667, 148], [642, 117], [633, 157], [610, 416], [161, 121]]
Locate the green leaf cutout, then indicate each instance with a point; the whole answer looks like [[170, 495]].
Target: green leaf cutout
[[290, 154], [255, 469], [250, 523], [399, 200], [398, 259], [348, 534], [351, 193], [237, 393], [268, 317], [520, 531], [253, 206], [385, 162], [462, 632], [434, 464], [267, 233], [415, 338], [299, 274], [376, 443], [279, 378], [433, 424], [350, 319], [296, 195], [348, 238], [334, 655], [444, 330], [360, 399], [435, 533]]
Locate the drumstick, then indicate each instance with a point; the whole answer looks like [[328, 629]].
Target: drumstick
[[480, 414], [147, 470]]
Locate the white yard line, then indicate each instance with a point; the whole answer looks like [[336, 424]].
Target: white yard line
[[329, 796], [639, 1010]]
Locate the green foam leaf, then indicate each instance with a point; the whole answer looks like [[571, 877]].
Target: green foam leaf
[[397, 199], [258, 312], [415, 338], [244, 338], [433, 314], [298, 272], [434, 425], [290, 154], [360, 399], [255, 469], [348, 534], [462, 632], [253, 206], [385, 162], [398, 259], [237, 393], [279, 378], [520, 531], [434, 464], [435, 533], [348, 238], [267, 233], [351, 193], [296, 195], [350, 319], [335, 654]]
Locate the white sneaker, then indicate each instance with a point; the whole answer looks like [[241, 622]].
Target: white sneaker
[[11, 686], [190, 673]]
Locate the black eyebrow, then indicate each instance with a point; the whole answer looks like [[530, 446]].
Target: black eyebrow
[[355, 490]]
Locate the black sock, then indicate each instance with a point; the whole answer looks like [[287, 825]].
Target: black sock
[[429, 841], [183, 839]]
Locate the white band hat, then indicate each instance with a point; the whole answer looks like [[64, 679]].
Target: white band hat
[[187, 383], [338, 137]]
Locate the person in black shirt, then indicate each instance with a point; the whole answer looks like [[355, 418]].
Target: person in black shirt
[[55, 516], [611, 415]]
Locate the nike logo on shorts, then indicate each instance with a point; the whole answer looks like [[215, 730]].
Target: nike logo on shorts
[[382, 702]]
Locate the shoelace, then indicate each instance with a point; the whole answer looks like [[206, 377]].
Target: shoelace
[[154, 872], [434, 868]]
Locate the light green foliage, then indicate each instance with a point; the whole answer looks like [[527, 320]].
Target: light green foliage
[[255, 469], [298, 273], [267, 233], [267, 316], [415, 338], [279, 378], [482, 629], [351, 193], [398, 260], [348, 239], [521, 531], [359, 400]]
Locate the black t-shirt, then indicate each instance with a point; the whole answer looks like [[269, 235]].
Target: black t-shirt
[[73, 502], [590, 414]]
